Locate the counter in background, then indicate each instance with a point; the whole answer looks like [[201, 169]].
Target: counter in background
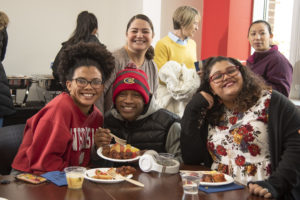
[[23, 113]]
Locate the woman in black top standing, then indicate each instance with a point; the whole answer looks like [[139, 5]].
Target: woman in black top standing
[[86, 31], [6, 104]]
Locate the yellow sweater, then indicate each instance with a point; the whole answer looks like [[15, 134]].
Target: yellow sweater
[[166, 50]]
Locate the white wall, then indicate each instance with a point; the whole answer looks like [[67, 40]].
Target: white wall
[[37, 28], [295, 52], [152, 8]]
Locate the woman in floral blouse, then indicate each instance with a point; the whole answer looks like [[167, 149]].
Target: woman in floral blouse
[[239, 126]]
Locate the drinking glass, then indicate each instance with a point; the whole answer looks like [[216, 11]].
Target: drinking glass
[[75, 176], [190, 183]]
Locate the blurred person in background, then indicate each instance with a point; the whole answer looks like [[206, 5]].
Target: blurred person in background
[[267, 61], [178, 45], [6, 103], [175, 55], [85, 31]]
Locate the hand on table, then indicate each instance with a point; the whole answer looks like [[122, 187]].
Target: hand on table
[[102, 137], [259, 191]]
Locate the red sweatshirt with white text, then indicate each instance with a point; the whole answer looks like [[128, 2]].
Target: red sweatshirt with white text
[[59, 135]]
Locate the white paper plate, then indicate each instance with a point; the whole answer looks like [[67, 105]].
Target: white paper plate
[[99, 152], [229, 179], [90, 173]]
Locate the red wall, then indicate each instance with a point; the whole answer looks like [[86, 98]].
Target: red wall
[[225, 27]]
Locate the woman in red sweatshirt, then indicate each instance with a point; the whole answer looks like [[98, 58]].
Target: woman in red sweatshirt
[[62, 133]]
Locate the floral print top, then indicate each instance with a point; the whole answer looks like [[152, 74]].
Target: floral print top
[[239, 145]]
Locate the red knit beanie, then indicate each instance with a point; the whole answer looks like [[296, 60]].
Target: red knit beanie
[[131, 78]]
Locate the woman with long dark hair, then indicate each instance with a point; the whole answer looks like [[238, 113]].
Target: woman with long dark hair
[[85, 31], [238, 125]]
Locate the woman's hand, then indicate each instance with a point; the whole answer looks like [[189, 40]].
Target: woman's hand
[[102, 137], [259, 191], [208, 98]]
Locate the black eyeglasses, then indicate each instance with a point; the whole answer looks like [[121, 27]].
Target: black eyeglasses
[[218, 76], [95, 83]]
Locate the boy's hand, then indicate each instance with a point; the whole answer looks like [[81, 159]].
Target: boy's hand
[[102, 137]]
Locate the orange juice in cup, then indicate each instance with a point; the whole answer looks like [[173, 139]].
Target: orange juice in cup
[[75, 176]]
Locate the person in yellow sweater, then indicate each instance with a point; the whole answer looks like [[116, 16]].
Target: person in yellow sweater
[[177, 45]]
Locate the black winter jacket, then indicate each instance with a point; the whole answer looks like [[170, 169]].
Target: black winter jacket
[[149, 131], [6, 103], [3, 43]]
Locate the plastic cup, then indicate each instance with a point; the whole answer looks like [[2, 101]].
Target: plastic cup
[[75, 176], [190, 183], [165, 159]]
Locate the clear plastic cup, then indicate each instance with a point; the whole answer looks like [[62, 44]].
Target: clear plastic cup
[[75, 176], [190, 183], [165, 159]]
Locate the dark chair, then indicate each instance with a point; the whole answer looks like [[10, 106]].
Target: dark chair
[[10, 140]]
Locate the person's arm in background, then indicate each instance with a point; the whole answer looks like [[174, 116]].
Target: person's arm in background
[[173, 141], [279, 75], [160, 54], [4, 44], [194, 130]]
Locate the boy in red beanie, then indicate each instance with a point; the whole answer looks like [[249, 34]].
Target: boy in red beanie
[[136, 117]]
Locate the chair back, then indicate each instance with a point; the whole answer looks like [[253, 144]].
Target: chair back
[[10, 140]]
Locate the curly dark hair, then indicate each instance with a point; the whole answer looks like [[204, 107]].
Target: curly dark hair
[[248, 96], [85, 54]]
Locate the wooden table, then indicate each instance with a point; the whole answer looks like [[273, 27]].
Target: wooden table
[[157, 187]]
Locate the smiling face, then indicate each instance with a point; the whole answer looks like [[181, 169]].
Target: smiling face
[[259, 37], [190, 30], [139, 35], [84, 97], [130, 104], [230, 86]]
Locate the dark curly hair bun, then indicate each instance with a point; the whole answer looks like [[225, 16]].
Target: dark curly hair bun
[[85, 54]]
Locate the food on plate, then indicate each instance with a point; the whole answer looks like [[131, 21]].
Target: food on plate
[[103, 175], [213, 177], [207, 178], [219, 177], [123, 170], [118, 151]]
